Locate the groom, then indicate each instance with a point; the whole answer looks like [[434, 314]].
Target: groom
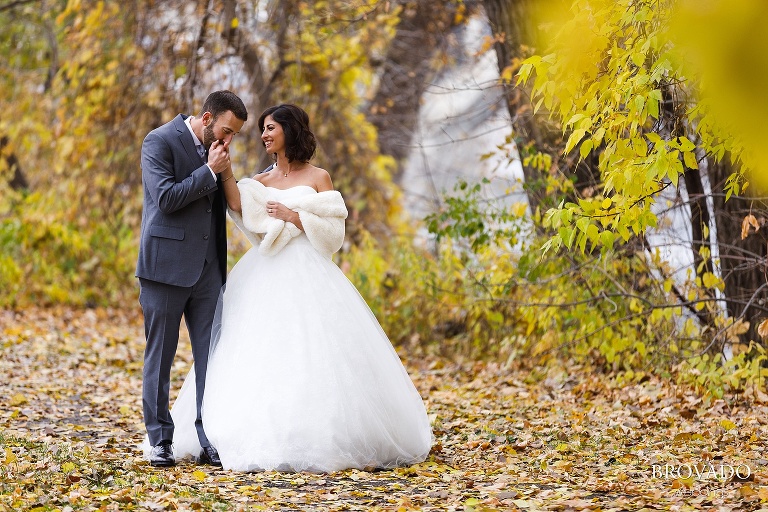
[[182, 255]]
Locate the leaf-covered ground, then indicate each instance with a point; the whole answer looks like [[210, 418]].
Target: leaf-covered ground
[[506, 439]]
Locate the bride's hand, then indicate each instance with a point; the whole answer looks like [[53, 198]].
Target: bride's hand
[[280, 211]]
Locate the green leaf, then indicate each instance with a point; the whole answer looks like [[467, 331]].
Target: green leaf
[[653, 108], [639, 102], [593, 233]]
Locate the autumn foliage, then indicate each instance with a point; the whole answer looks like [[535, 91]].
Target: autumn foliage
[[628, 125], [566, 362]]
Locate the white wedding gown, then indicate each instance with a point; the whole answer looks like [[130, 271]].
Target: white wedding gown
[[302, 377]]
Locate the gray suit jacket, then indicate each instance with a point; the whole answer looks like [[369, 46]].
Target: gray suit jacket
[[181, 198]]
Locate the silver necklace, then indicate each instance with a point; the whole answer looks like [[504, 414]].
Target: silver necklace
[[286, 173]]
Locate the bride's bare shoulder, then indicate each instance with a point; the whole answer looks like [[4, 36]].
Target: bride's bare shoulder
[[261, 177], [322, 179]]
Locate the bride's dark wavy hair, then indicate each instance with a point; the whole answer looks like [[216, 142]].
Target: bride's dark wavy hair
[[300, 143]]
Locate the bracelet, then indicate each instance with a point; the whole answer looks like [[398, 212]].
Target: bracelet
[[225, 179]]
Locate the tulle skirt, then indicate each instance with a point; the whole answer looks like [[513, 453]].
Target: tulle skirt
[[301, 376]]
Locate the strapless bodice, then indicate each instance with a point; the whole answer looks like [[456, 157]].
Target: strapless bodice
[[279, 194]]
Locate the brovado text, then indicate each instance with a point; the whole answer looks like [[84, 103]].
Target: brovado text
[[702, 471]]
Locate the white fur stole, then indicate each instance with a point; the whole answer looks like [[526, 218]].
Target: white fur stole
[[322, 215]]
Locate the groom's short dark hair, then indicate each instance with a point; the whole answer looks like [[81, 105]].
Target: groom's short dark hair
[[219, 102]]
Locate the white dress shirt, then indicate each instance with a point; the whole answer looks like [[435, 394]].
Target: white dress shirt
[[187, 122]]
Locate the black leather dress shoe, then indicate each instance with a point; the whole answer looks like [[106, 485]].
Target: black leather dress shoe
[[210, 456], [161, 455]]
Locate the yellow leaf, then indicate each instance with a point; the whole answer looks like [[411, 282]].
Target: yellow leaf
[[18, 399], [574, 139], [235, 23], [507, 73], [710, 280], [727, 424], [459, 17], [67, 467], [680, 483], [690, 160], [199, 475], [747, 491], [10, 457], [585, 148]]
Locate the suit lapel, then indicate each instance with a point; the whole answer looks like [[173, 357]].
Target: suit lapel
[[185, 138]]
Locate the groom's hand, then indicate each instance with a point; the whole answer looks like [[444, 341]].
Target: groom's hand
[[218, 156]]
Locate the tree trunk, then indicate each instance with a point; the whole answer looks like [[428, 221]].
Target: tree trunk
[[512, 28], [262, 82], [700, 220], [700, 239], [743, 262], [405, 73]]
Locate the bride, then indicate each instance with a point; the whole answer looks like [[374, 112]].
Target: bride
[[301, 376]]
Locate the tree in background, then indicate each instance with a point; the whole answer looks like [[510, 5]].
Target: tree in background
[[91, 78], [70, 70], [632, 123], [316, 54], [414, 57], [637, 102]]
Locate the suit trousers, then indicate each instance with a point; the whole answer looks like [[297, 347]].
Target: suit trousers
[[163, 306]]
